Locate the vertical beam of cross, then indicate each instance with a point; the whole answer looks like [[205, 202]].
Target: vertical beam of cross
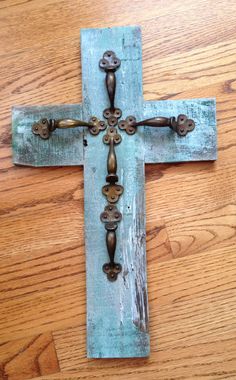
[[117, 313]]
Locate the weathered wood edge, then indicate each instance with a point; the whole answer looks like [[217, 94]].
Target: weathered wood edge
[[163, 145], [63, 148]]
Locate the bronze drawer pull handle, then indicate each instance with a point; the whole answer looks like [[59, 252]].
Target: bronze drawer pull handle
[[111, 216], [110, 63], [44, 126], [181, 126]]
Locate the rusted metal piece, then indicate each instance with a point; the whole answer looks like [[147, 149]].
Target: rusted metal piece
[[110, 63], [181, 126], [44, 127], [111, 216]]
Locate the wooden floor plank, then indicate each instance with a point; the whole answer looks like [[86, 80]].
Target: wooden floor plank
[[28, 357]]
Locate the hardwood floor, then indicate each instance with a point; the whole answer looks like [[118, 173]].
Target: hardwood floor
[[188, 51]]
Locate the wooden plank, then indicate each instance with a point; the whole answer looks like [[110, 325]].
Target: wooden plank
[[117, 313], [162, 145], [64, 147]]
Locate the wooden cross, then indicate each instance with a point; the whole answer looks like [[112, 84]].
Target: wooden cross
[[117, 311]]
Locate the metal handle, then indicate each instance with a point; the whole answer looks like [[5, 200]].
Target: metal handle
[[111, 88], [110, 63], [44, 127], [181, 126], [155, 122], [69, 123], [111, 216], [111, 245]]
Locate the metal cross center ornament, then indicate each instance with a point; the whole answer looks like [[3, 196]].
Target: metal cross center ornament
[[117, 314]]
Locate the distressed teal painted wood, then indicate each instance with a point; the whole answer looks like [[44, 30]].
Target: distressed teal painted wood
[[162, 145], [117, 313], [65, 147]]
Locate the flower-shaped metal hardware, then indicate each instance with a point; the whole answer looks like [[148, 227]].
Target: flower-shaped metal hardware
[[128, 125], [111, 215], [183, 125], [112, 192], [112, 134], [109, 61], [42, 128], [97, 127]]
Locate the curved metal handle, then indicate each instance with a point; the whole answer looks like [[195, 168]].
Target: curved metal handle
[[111, 159], [69, 123], [111, 245], [110, 63], [111, 88], [181, 126], [154, 122], [112, 268], [111, 216], [44, 127]]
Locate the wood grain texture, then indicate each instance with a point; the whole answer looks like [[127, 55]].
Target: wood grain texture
[[26, 357], [188, 51]]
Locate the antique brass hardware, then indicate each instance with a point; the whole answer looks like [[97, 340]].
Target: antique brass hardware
[[44, 127], [112, 190], [110, 63], [181, 126], [111, 216]]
